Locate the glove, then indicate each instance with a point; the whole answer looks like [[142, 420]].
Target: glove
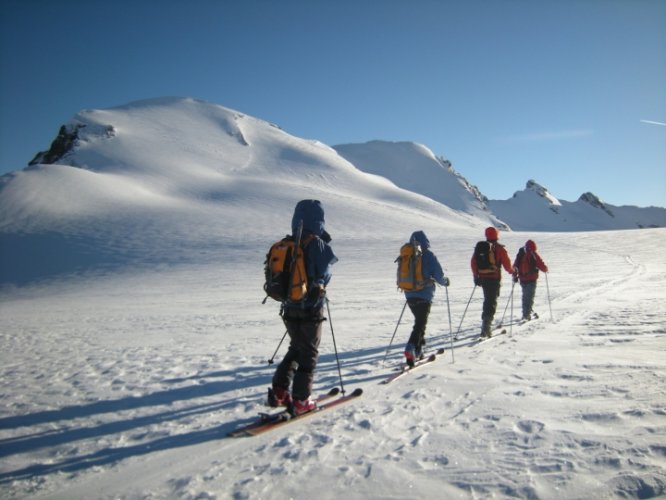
[[515, 278], [477, 281], [317, 291], [447, 281]]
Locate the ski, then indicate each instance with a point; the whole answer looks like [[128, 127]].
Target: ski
[[265, 418], [268, 422], [518, 322], [319, 399], [405, 369], [494, 335], [503, 330], [522, 322]]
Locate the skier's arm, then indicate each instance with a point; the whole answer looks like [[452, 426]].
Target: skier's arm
[[540, 263], [435, 270], [505, 260]]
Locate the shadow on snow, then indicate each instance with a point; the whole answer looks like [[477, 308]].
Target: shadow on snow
[[359, 367]]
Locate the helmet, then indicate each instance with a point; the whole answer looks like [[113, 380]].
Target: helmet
[[492, 234], [530, 246]]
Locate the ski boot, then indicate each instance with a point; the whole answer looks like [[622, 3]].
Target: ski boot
[[277, 396], [299, 407], [410, 355]]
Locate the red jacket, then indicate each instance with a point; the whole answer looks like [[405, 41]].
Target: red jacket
[[528, 263], [501, 258]]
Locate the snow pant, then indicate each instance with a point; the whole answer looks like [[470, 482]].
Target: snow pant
[[421, 310], [298, 365], [491, 290], [529, 289]]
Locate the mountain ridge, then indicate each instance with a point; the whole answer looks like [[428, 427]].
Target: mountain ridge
[[407, 165], [156, 182]]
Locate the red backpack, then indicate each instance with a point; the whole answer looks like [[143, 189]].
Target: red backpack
[[526, 263]]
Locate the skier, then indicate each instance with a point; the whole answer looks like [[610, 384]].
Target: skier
[[527, 265], [420, 301], [488, 259], [304, 319]]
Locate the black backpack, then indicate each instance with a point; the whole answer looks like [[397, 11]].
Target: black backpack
[[484, 256]]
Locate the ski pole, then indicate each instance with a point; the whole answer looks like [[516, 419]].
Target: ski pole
[[511, 321], [448, 308], [509, 300], [335, 347], [505, 308], [394, 332], [464, 312], [548, 292], [270, 361]]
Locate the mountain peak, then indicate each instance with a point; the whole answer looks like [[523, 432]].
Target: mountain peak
[[532, 185], [596, 202]]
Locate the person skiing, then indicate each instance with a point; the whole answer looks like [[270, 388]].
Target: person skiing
[[488, 259], [527, 265], [420, 301], [303, 320]]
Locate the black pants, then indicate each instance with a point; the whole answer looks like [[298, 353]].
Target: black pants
[[298, 365], [491, 290], [421, 310]]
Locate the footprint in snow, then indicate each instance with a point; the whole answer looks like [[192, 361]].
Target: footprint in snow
[[530, 426]]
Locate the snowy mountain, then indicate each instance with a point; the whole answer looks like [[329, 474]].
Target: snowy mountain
[[536, 209], [415, 168], [162, 180]]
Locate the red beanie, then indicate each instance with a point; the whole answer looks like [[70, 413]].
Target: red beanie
[[530, 246], [492, 234]]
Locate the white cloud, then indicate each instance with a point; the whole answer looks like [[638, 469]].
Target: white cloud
[[650, 122]]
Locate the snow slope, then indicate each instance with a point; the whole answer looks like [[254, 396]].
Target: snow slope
[[415, 168], [125, 386], [133, 338], [185, 172]]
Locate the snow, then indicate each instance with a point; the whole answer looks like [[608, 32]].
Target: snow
[[125, 386], [134, 339], [414, 167], [536, 209]]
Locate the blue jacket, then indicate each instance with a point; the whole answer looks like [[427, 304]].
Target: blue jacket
[[319, 256], [432, 270]]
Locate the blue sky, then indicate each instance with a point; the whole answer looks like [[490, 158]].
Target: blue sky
[[569, 93]]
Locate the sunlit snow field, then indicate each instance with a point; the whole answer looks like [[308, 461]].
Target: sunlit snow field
[[133, 336], [125, 386]]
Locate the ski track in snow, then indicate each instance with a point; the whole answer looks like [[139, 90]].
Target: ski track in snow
[[125, 386]]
